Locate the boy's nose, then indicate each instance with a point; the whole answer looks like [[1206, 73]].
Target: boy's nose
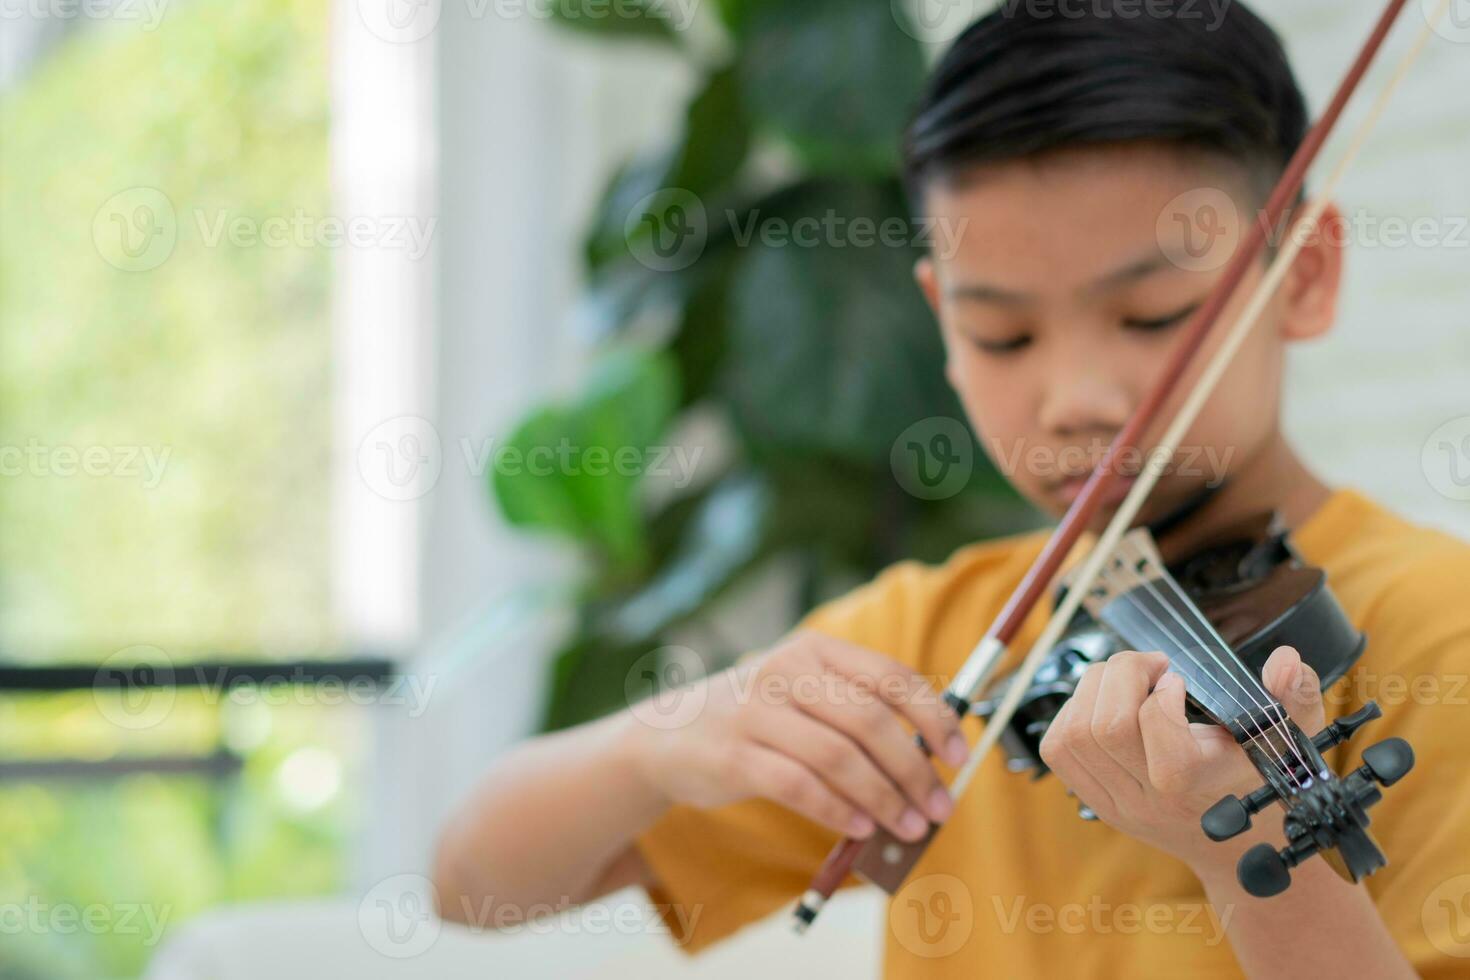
[[1084, 401]]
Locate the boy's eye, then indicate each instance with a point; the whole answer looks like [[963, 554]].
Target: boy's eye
[[1008, 346], [1163, 322]]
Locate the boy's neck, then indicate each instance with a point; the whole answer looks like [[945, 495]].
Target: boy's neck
[[1274, 479]]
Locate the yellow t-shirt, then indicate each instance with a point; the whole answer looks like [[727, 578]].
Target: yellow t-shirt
[[1016, 885]]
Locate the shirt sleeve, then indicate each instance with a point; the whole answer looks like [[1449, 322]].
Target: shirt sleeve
[[720, 869], [1423, 821]]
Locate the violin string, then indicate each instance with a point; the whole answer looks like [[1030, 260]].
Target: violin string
[[1203, 631], [1273, 708], [1136, 557], [1259, 737], [1228, 665]]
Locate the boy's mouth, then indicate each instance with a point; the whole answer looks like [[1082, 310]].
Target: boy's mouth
[[1069, 489]]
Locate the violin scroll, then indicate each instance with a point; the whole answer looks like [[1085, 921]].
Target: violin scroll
[[1322, 816]]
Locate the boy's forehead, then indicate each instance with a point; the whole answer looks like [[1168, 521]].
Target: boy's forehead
[[1081, 217]]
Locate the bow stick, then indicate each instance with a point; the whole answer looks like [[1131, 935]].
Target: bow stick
[[988, 653]]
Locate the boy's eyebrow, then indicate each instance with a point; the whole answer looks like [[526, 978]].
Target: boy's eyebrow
[[1128, 272]]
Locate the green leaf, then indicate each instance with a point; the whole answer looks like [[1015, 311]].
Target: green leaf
[[831, 347], [724, 538], [709, 155], [631, 184], [577, 469], [836, 79], [716, 137]]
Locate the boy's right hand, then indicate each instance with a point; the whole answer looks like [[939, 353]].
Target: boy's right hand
[[815, 724]]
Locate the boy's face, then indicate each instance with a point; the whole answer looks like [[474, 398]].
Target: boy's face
[[1070, 284]]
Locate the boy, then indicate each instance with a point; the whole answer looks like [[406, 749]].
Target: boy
[[1066, 147]]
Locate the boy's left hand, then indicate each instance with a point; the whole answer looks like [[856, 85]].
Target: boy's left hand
[[1122, 745]]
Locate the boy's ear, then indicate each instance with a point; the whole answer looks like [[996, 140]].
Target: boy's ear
[[1311, 289], [928, 282]]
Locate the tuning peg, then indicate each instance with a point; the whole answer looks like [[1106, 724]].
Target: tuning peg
[[1264, 871], [1388, 761], [1344, 728], [1232, 815]]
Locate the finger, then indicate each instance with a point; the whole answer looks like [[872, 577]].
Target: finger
[[1297, 686], [845, 767], [1125, 686], [1172, 753], [781, 779], [1073, 726], [902, 688], [874, 726], [1067, 767]]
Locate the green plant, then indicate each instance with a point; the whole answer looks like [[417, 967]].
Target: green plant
[[813, 355]]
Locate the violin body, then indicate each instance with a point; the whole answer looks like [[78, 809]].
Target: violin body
[[1252, 587], [1218, 618]]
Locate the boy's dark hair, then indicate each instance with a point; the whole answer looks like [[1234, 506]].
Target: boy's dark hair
[[1030, 77]]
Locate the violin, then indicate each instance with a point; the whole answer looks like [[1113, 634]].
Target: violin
[[1250, 584], [1218, 614]]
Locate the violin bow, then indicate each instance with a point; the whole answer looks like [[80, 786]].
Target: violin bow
[[884, 858]]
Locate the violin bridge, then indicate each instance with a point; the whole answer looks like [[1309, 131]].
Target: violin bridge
[[1135, 561], [886, 861]]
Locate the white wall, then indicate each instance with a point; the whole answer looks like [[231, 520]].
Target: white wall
[[525, 123], [1363, 402]]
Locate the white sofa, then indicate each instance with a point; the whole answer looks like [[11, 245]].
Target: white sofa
[[390, 933]]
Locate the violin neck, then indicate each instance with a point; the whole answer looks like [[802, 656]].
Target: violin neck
[[1137, 598]]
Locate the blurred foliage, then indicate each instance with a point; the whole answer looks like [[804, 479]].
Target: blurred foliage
[[809, 359], [144, 853], [218, 357]]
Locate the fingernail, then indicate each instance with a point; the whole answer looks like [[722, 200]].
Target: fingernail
[[861, 825], [940, 805], [912, 824], [955, 750]]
